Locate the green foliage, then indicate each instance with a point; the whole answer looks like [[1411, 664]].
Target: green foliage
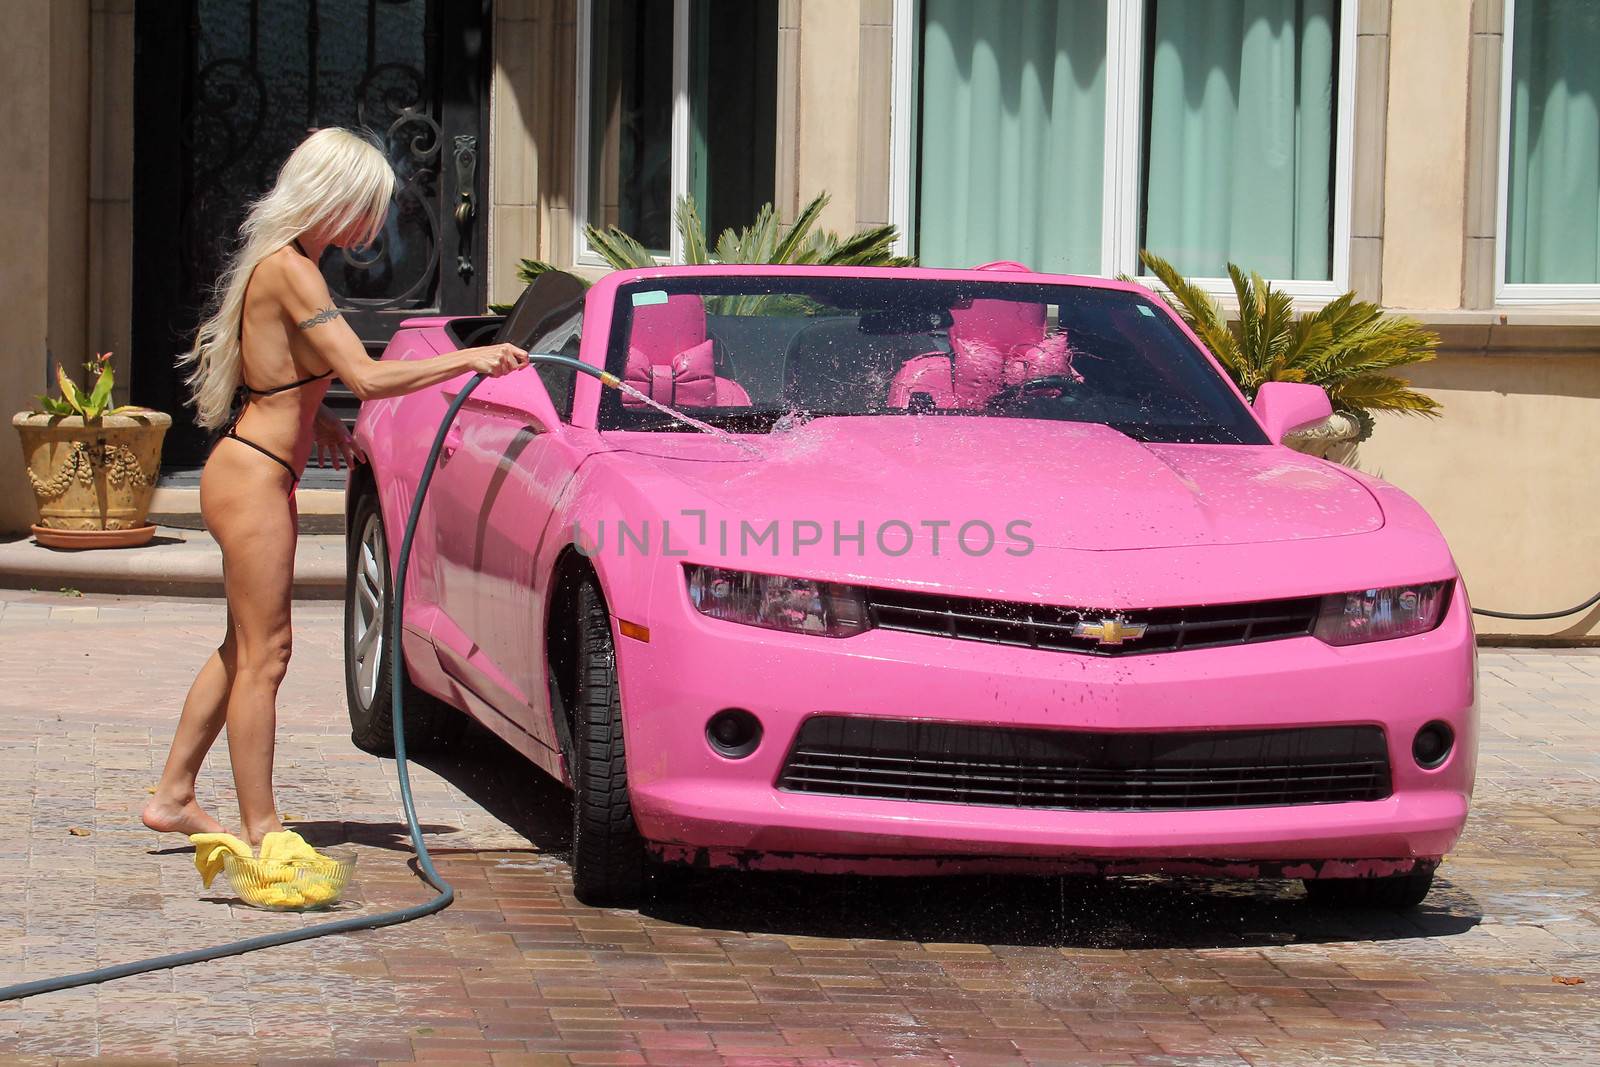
[[1348, 346], [92, 405], [766, 240]]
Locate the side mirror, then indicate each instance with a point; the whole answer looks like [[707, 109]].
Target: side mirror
[[1285, 406]]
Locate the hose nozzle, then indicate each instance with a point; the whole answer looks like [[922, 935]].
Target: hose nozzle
[[554, 360]]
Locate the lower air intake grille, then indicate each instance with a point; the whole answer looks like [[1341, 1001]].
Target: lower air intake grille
[[899, 759]]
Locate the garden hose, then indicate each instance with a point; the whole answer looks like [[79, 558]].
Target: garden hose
[[446, 893], [1539, 616]]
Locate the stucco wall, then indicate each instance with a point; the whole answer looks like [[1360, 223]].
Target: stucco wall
[[826, 141], [531, 116], [1425, 155], [44, 58], [1509, 473]]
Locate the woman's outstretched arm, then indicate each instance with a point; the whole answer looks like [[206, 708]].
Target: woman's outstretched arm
[[311, 309]]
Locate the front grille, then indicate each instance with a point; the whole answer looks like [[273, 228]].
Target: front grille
[[1076, 770], [1003, 622]]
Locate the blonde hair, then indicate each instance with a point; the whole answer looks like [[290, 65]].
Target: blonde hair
[[337, 182]]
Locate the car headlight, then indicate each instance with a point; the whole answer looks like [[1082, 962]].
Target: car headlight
[[1381, 614], [798, 605]]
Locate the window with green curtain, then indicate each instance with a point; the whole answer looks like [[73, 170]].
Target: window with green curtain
[[733, 107], [1012, 130], [733, 92], [1240, 100], [630, 119], [1553, 184]]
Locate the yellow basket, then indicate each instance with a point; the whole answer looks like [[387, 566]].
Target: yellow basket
[[304, 885]]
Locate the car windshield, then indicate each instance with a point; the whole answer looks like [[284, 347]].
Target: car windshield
[[748, 353]]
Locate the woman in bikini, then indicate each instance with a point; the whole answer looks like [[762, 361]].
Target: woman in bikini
[[261, 365]]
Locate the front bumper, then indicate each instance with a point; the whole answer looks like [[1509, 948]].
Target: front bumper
[[694, 805]]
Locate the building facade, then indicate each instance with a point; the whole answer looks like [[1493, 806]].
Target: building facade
[[1439, 156]]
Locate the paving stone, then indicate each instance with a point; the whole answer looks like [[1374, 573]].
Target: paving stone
[[735, 969]]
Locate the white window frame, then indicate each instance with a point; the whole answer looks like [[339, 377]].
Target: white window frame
[[1512, 293], [582, 254], [1119, 214]]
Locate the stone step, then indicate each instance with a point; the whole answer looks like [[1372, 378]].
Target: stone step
[[321, 510], [179, 562]]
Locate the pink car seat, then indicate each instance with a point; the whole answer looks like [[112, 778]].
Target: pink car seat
[[672, 361], [993, 344]]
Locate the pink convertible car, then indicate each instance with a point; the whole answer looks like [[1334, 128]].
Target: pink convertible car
[[976, 570]]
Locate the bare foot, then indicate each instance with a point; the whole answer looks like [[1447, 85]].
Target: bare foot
[[168, 817]]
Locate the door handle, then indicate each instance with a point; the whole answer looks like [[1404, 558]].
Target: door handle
[[466, 162], [452, 440]]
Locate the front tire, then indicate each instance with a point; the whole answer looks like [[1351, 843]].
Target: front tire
[[1398, 892], [608, 854], [368, 604]]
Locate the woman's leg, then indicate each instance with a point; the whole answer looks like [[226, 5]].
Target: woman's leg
[[254, 526], [174, 809]]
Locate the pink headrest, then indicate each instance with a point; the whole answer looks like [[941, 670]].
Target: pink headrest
[[999, 322], [979, 369], [686, 379], [661, 331]]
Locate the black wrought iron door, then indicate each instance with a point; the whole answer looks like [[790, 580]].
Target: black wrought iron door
[[224, 91]]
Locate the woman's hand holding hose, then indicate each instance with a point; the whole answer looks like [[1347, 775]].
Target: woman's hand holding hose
[[494, 361]]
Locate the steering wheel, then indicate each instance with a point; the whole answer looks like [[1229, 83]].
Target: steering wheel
[[1061, 384]]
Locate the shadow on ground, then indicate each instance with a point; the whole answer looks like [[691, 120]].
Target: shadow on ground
[[497, 778], [1141, 912], [393, 836]]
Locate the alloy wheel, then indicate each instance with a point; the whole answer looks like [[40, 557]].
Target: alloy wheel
[[367, 615]]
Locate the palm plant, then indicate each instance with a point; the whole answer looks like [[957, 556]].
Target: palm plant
[[766, 240], [1348, 346]]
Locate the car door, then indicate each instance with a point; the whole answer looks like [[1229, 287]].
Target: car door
[[505, 462]]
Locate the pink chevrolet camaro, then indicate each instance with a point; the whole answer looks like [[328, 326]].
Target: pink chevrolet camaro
[[976, 570]]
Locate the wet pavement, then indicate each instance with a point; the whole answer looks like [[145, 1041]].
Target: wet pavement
[[730, 968]]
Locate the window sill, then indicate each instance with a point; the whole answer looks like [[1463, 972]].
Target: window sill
[[1554, 329]]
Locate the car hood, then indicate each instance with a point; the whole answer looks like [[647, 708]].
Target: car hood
[[1069, 485]]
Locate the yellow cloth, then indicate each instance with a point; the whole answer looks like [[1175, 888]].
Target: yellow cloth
[[286, 846], [209, 850], [318, 893], [281, 896]]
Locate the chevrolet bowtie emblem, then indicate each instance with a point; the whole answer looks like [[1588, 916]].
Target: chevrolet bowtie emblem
[[1110, 631]]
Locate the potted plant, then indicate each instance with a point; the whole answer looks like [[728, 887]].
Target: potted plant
[[92, 466], [1347, 346]]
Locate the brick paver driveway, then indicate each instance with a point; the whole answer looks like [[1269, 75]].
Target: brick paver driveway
[[734, 968]]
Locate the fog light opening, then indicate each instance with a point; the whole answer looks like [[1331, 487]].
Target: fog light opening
[[733, 733], [1432, 745]]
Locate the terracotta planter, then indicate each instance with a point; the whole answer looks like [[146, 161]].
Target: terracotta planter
[[1334, 438], [92, 481]]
